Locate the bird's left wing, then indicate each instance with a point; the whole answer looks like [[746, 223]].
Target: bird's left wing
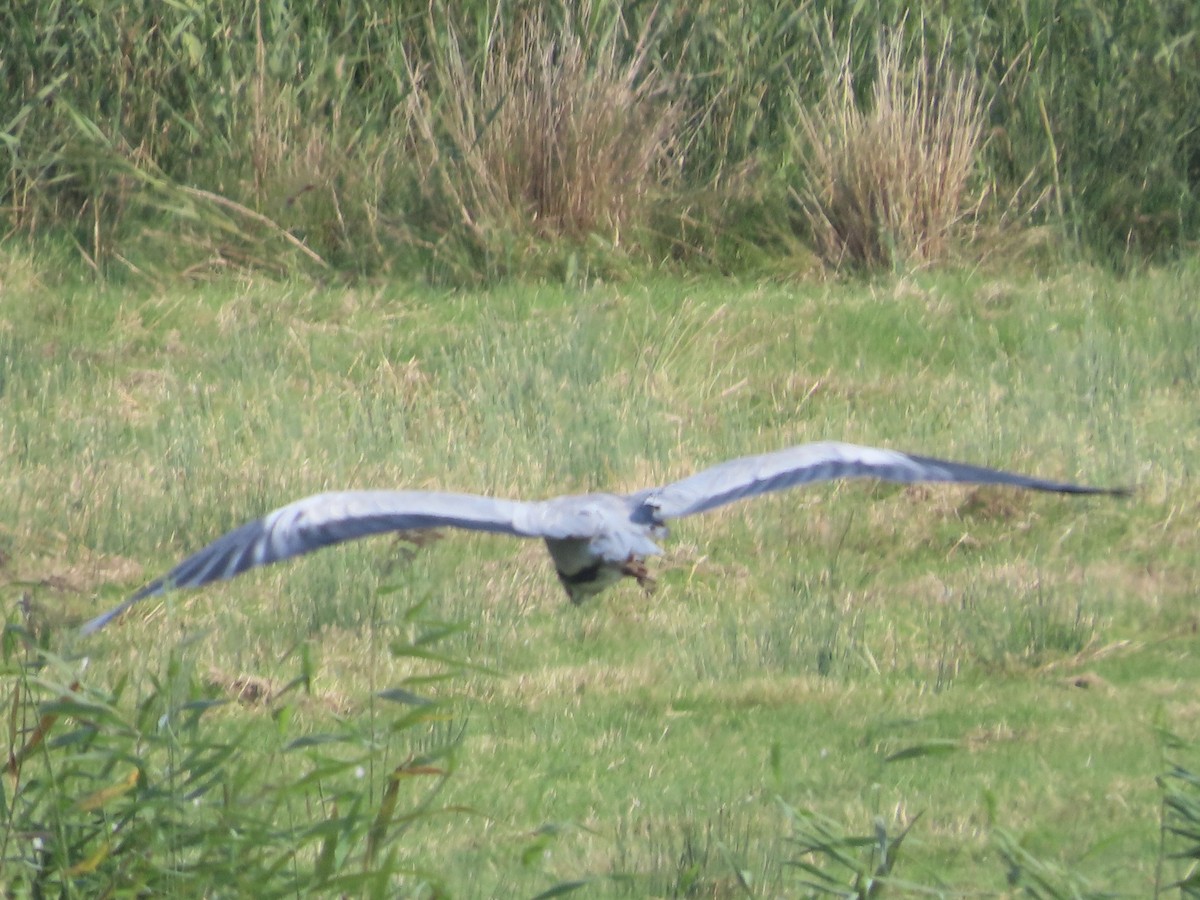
[[326, 519], [752, 475]]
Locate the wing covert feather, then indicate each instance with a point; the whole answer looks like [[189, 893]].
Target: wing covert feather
[[331, 518], [748, 476]]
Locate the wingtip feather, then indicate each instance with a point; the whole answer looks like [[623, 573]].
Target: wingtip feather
[[91, 626]]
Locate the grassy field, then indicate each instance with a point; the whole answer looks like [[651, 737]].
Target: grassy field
[[1012, 671]]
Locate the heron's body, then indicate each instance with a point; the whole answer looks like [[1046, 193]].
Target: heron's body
[[594, 539]]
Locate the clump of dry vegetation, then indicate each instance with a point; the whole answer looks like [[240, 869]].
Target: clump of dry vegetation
[[547, 136], [889, 184]]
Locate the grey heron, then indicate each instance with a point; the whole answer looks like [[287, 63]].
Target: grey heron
[[594, 539]]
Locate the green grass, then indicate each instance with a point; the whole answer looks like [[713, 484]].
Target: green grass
[[469, 141], [841, 654]]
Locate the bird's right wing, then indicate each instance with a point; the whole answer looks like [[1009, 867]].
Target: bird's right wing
[[326, 519], [748, 476]]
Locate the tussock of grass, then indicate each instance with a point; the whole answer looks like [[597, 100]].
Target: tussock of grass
[[552, 134], [886, 186]]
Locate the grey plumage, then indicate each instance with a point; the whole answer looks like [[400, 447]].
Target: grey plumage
[[594, 539]]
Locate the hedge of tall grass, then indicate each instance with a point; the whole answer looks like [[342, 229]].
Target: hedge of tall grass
[[465, 139]]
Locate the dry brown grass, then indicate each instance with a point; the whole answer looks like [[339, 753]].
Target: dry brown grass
[[889, 185], [550, 136]]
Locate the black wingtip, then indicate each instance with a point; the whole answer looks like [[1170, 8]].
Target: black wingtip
[[1082, 490], [93, 625], [1111, 492]]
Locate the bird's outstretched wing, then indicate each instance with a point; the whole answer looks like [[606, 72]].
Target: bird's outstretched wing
[[826, 461], [325, 519]]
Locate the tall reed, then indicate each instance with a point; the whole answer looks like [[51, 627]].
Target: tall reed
[[477, 138]]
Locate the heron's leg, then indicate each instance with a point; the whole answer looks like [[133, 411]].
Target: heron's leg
[[635, 568]]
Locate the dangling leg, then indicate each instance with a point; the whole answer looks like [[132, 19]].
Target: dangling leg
[[635, 568]]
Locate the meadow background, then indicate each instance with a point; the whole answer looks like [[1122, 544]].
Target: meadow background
[[258, 250]]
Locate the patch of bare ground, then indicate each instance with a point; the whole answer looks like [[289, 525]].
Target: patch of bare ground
[[258, 692], [83, 572]]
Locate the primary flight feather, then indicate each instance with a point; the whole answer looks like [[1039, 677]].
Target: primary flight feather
[[594, 539]]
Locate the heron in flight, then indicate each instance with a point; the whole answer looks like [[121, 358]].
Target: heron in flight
[[594, 539]]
